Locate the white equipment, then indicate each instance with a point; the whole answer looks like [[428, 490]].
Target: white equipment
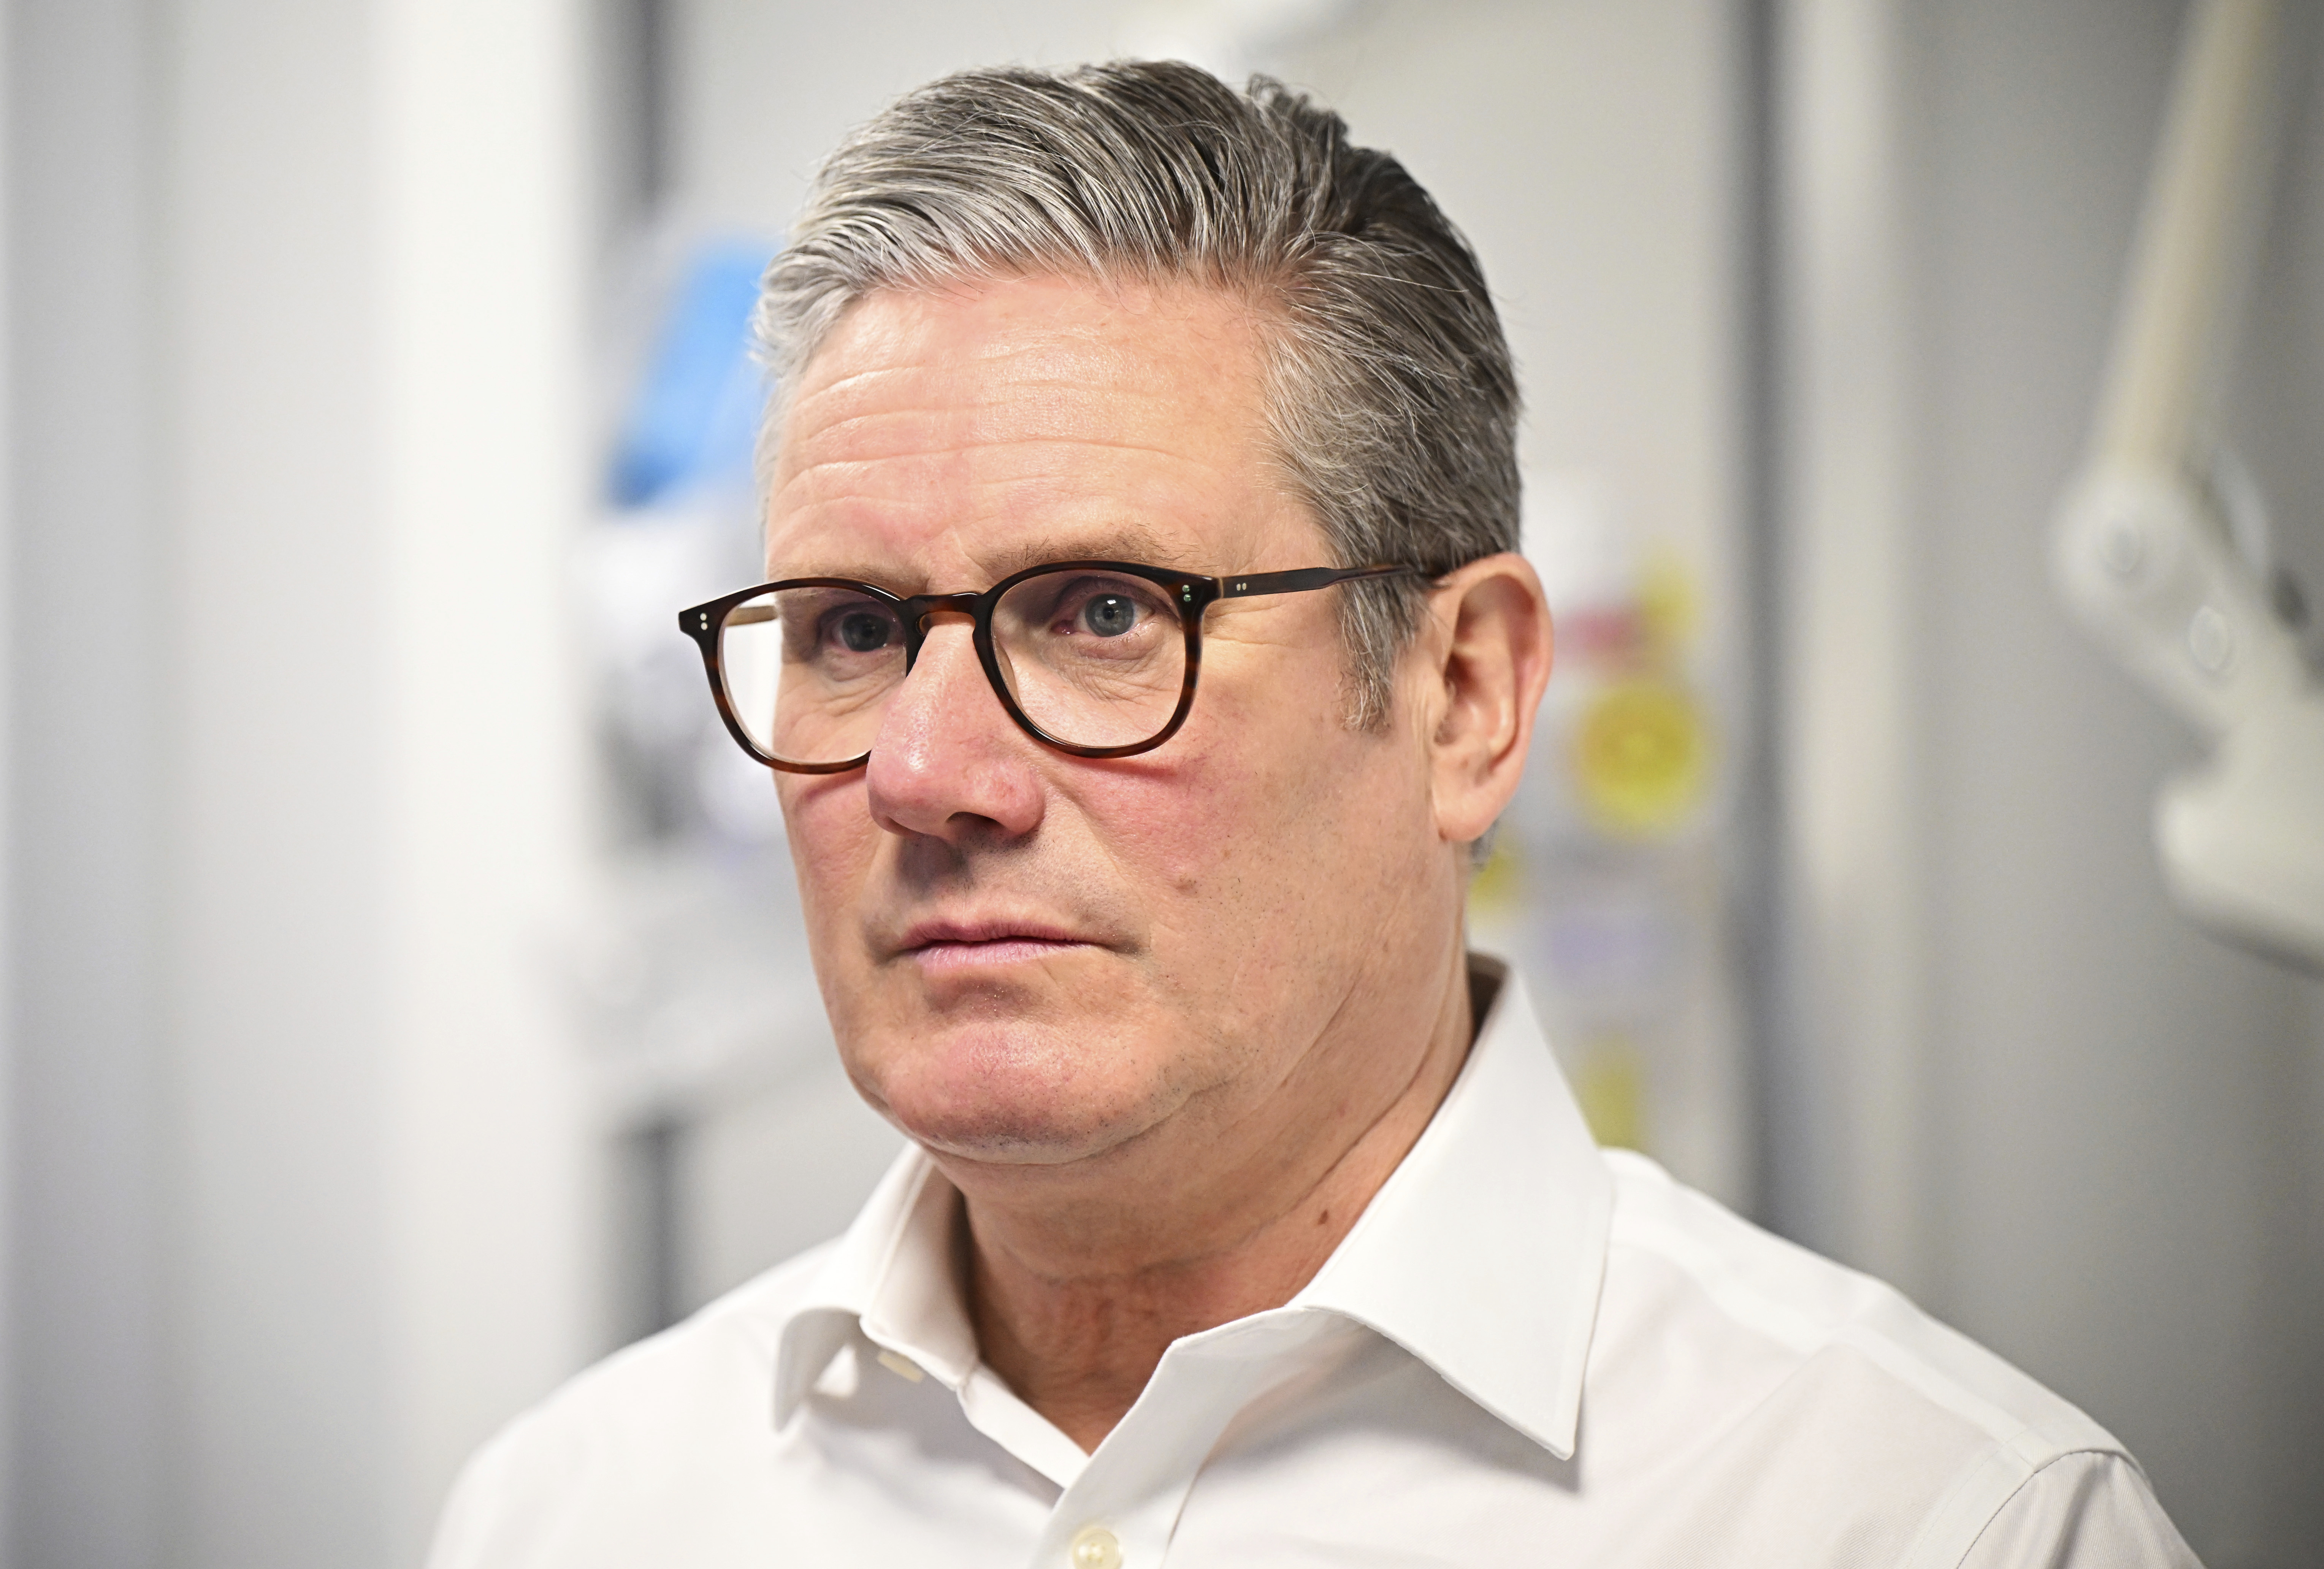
[[2160, 546]]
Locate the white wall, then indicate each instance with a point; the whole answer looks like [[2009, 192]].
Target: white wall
[[274, 924], [492, 1230], [380, 1220], [762, 89], [301, 1200]]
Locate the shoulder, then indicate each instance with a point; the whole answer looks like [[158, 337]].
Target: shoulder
[[686, 1401], [1832, 1389], [740, 1331], [1803, 1303]]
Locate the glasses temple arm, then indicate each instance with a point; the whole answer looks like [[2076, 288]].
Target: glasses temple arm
[[1305, 578]]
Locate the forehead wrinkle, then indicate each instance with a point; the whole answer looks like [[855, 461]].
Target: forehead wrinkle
[[990, 516], [1114, 540], [1020, 414], [1016, 382], [1123, 541], [1067, 471], [1028, 500], [918, 342], [1060, 460], [1055, 391], [886, 494]]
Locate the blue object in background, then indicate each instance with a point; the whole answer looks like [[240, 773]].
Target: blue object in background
[[695, 414]]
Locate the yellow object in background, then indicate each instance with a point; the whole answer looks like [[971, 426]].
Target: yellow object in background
[[1669, 607], [1496, 899], [1497, 890], [1611, 1083], [1640, 757]]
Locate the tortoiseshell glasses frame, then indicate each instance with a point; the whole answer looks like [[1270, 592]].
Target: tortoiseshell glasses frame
[[1191, 595]]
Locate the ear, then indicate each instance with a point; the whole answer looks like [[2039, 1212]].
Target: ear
[[1489, 657]]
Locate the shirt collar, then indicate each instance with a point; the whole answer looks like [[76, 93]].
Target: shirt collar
[[892, 1276], [1481, 1254]]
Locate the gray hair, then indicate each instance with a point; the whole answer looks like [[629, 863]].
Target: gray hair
[[1391, 398]]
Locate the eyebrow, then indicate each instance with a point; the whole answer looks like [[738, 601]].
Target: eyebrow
[[1117, 542], [1126, 541]]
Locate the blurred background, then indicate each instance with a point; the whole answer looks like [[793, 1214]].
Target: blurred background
[[404, 995]]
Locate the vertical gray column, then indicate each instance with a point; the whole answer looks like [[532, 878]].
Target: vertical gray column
[[85, 770], [280, 744]]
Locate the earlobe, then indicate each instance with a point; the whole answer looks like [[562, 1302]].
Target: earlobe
[[1491, 650]]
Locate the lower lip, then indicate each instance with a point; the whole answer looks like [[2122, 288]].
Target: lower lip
[[950, 957]]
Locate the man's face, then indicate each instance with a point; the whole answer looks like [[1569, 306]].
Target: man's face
[[1029, 957]]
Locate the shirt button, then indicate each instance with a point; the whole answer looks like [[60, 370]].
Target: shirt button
[[1095, 1547]]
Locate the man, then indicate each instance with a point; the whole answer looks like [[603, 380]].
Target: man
[[1248, 1220]]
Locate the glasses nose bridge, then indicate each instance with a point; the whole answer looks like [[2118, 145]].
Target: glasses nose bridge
[[921, 608], [918, 610]]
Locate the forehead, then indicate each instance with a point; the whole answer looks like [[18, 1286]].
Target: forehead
[[975, 428]]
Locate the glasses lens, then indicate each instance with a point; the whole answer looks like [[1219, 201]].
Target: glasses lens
[[807, 670], [1094, 657]]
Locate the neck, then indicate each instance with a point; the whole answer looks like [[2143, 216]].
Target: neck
[[1077, 1289]]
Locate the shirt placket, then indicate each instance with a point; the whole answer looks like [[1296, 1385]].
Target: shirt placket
[[1122, 1511]]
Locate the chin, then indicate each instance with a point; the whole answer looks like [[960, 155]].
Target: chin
[[1011, 1095]]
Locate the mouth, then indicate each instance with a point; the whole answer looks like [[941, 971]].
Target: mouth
[[952, 945]]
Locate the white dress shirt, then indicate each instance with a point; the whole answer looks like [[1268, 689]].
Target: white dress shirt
[[1526, 1351]]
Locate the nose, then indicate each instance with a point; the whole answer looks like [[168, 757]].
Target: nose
[[948, 763]]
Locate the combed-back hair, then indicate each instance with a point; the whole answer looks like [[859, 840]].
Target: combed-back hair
[[1391, 399]]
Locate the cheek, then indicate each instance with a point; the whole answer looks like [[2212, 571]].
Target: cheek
[[1232, 849], [833, 838]]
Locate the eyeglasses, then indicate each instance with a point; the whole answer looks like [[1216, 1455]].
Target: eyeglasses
[[1097, 659]]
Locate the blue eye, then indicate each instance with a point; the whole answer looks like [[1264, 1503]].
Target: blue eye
[[863, 632], [1109, 615]]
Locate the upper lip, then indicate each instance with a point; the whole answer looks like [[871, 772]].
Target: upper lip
[[923, 934]]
